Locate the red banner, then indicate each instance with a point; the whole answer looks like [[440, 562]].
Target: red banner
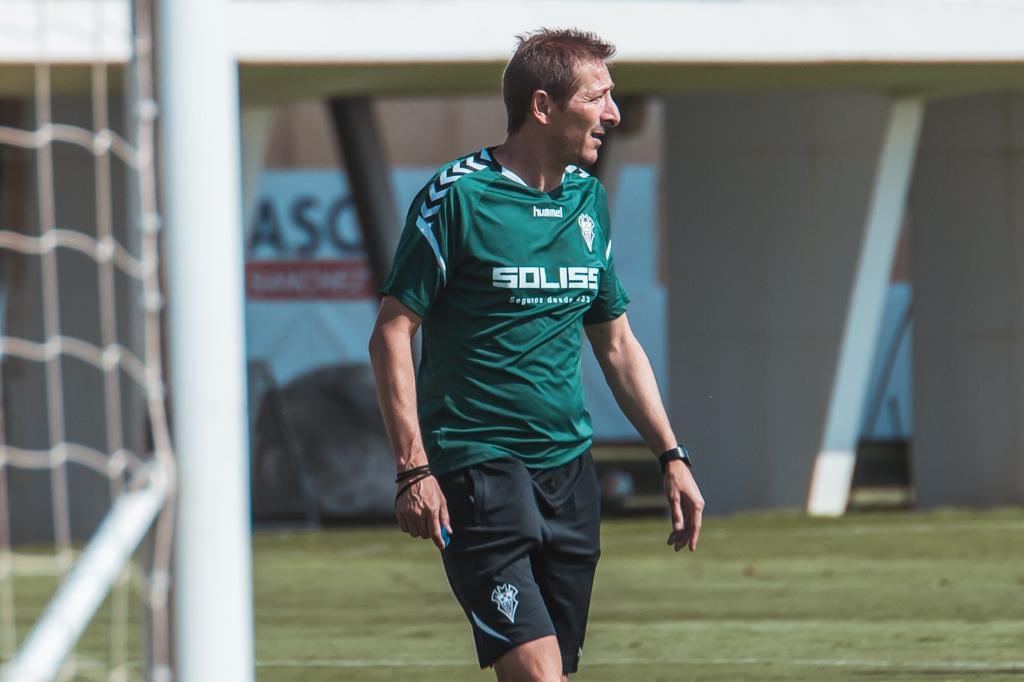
[[338, 280]]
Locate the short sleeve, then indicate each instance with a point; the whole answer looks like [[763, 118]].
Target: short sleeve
[[611, 299], [419, 270]]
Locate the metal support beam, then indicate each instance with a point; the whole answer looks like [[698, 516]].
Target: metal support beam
[[369, 178], [833, 468]]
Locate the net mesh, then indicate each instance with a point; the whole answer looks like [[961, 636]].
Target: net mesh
[[82, 414]]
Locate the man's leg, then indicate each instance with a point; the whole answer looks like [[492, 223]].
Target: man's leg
[[566, 588], [564, 568], [495, 529], [536, 661]]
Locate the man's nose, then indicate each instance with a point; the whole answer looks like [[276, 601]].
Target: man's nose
[[610, 116]]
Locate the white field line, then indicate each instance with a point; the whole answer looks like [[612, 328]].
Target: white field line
[[952, 666]]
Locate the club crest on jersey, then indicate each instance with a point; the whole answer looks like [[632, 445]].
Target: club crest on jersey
[[586, 224], [505, 597]]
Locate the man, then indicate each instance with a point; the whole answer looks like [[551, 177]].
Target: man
[[506, 257]]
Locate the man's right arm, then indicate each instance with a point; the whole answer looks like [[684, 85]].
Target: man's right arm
[[421, 510]]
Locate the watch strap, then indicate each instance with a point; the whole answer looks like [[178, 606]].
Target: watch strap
[[676, 453]]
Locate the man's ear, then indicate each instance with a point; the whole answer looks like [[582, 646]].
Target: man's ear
[[541, 105]]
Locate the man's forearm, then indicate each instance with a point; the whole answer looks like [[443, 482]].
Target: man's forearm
[[393, 369], [629, 375]]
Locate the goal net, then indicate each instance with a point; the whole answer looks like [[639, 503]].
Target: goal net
[[86, 465]]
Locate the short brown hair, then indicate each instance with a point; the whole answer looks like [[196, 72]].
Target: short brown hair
[[546, 60]]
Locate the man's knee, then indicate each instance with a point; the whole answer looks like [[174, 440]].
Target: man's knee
[[536, 661]]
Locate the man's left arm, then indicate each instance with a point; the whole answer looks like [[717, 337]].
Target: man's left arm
[[631, 379]]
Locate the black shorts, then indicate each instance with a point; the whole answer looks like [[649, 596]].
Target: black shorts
[[524, 547]]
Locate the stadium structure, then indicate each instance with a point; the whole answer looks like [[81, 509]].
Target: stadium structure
[[791, 161], [796, 142]]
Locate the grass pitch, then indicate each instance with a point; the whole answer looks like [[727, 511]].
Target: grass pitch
[[919, 596]]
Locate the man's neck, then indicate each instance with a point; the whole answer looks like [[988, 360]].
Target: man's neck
[[532, 161]]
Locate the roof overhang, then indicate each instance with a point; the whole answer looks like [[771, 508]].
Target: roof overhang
[[303, 49], [310, 48]]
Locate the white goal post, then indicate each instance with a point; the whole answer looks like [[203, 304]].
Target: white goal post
[[202, 167]]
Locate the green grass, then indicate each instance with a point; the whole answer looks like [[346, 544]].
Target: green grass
[[923, 596], [901, 596]]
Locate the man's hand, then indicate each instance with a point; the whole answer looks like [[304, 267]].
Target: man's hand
[[422, 511], [629, 375], [686, 503]]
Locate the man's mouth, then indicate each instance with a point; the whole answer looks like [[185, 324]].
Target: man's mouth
[[598, 137]]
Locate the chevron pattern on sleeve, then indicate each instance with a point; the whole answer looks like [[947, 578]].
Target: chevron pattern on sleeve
[[436, 193], [576, 170]]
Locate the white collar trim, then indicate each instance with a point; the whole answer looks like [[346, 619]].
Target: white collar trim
[[512, 176], [486, 155]]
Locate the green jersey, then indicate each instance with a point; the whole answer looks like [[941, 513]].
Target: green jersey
[[504, 277]]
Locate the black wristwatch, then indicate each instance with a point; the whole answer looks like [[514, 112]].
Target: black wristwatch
[[678, 452]]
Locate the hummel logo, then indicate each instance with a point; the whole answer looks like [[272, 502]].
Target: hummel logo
[[547, 212]]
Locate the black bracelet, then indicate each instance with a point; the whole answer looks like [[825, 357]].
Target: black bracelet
[[676, 453], [415, 471], [411, 484], [411, 477]]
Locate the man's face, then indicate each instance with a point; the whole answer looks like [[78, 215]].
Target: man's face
[[589, 113]]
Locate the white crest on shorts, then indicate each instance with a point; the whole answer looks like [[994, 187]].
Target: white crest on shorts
[[505, 597], [586, 224]]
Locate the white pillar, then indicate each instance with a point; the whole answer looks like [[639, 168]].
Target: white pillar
[[833, 467], [201, 167]]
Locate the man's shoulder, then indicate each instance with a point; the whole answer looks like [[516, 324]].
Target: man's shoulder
[[479, 166], [574, 171], [580, 182], [579, 179], [451, 178]]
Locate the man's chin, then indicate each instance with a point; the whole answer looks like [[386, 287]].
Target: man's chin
[[586, 159]]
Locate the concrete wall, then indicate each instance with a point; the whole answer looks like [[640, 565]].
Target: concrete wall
[[766, 200], [967, 207]]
